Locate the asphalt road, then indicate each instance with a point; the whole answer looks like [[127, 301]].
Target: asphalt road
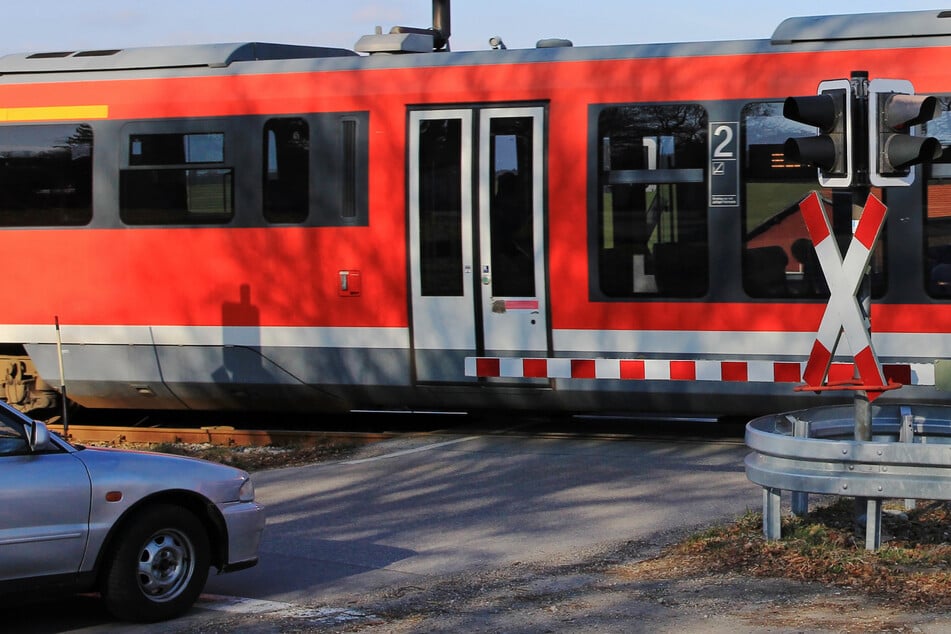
[[433, 504]]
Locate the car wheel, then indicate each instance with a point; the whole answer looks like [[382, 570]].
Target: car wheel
[[158, 567]]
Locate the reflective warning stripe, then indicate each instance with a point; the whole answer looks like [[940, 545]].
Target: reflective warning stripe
[[681, 370], [54, 113]]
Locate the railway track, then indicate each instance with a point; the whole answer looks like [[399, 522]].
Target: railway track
[[358, 431], [216, 435]]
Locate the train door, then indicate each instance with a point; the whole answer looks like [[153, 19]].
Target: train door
[[511, 231], [476, 216]]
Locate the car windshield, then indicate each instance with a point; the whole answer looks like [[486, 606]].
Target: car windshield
[[11, 435]]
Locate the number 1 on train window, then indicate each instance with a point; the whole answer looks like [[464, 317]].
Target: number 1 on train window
[[724, 164]]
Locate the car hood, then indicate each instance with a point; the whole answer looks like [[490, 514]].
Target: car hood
[[141, 473]]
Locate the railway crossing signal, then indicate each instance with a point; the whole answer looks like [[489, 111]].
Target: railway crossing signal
[[843, 314], [893, 110], [864, 139], [831, 150], [847, 155]]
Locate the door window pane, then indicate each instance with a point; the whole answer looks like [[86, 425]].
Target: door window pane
[[440, 207], [511, 207]]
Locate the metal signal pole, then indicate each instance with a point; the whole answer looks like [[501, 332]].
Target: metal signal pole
[[859, 191]]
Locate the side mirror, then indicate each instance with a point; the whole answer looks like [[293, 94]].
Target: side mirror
[[38, 436]]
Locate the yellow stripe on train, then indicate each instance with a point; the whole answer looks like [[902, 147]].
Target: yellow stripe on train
[[54, 113]]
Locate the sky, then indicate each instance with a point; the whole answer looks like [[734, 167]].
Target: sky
[[63, 25]]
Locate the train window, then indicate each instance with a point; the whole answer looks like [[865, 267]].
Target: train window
[[176, 149], [652, 208], [779, 260], [937, 208], [440, 207], [164, 185], [286, 170], [778, 257], [46, 175]]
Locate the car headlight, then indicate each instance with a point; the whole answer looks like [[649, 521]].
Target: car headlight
[[246, 492]]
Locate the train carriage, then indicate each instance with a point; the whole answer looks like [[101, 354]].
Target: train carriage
[[560, 228]]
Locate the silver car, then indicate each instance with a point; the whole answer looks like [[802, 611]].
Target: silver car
[[141, 528]]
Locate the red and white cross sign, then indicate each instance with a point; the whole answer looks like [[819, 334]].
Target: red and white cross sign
[[844, 277]]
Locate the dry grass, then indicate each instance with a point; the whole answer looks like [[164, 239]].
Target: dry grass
[[912, 569], [251, 458]]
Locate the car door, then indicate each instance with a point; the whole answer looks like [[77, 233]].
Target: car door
[[44, 507]]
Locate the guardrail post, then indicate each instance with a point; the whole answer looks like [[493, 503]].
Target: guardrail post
[[873, 524], [800, 499], [772, 502], [906, 433]]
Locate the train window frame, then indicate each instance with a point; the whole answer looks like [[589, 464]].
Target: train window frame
[[194, 190], [64, 198], [637, 269]]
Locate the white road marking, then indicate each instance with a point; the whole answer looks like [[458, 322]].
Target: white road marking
[[242, 605], [406, 452]]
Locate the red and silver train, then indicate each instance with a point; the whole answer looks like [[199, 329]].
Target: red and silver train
[[560, 228]]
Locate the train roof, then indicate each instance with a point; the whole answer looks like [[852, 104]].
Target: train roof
[[863, 26], [868, 30], [200, 55]]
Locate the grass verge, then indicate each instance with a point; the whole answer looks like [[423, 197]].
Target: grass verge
[[253, 458], [913, 567]]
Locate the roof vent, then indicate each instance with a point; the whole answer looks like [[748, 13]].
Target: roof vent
[[554, 42], [103, 53], [52, 55], [400, 39]]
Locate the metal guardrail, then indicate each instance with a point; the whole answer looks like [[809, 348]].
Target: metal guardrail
[[813, 451]]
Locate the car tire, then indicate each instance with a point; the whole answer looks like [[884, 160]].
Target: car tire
[[158, 567]]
